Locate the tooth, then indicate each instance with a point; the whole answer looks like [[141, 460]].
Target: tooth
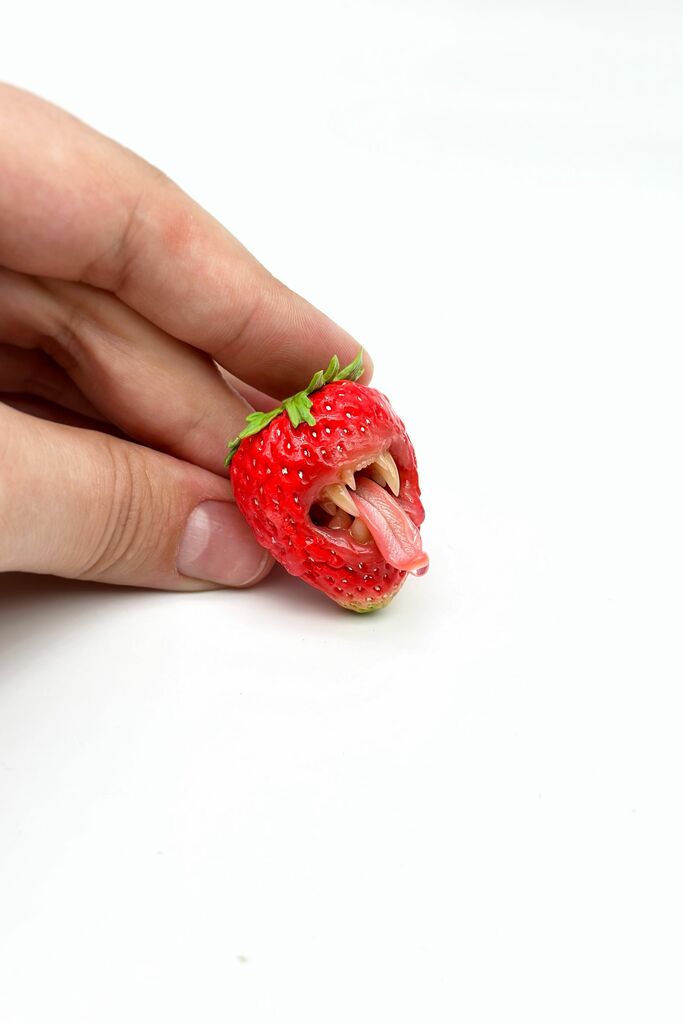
[[329, 507], [376, 474], [360, 532], [349, 479], [340, 520], [389, 471], [340, 496]]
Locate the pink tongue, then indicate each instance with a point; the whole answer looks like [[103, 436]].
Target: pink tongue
[[395, 534]]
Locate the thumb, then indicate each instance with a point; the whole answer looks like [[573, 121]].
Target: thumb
[[85, 505]]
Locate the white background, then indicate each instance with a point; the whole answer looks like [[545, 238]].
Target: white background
[[252, 807]]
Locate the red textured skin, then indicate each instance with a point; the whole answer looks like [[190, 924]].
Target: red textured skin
[[278, 473]]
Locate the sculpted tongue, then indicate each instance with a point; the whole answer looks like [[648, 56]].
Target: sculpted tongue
[[395, 534]]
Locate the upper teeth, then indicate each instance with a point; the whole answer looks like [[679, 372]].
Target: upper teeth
[[336, 497], [341, 497], [381, 468], [388, 470]]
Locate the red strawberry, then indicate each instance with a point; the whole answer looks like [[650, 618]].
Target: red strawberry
[[328, 483]]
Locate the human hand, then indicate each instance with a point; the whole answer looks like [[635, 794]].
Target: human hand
[[128, 312]]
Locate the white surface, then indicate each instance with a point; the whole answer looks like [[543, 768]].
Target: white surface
[[250, 807]]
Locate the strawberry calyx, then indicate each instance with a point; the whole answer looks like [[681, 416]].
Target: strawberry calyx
[[298, 406]]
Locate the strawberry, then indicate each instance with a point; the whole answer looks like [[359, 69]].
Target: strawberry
[[328, 483]]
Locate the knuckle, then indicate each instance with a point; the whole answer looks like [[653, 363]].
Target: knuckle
[[127, 534], [112, 267]]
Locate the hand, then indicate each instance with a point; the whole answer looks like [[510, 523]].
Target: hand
[[127, 312]]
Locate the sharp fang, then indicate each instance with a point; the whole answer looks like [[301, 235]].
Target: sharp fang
[[340, 520], [329, 507], [349, 479], [389, 471], [340, 496], [376, 474], [360, 532]]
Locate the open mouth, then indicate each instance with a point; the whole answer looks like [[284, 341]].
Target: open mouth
[[363, 507]]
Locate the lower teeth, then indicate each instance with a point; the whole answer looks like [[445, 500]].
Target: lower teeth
[[341, 520], [360, 532]]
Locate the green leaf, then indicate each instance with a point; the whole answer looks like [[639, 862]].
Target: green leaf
[[354, 370], [332, 370], [256, 421], [292, 410], [317, 381], [232, 448], [298, 406]]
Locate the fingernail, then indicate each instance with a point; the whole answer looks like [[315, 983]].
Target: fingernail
[[218, 546]]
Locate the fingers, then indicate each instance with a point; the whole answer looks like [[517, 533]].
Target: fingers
[[30, 371], [154, 387], [84, 505], [47, 410], [77, 206], [256, 399]]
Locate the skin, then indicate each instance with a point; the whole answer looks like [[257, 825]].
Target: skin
[[128, 314]]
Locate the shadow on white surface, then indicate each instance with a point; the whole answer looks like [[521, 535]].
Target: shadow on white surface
[[35, 608], [285, 590]]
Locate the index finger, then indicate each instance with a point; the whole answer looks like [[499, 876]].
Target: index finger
[[77, 206]]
